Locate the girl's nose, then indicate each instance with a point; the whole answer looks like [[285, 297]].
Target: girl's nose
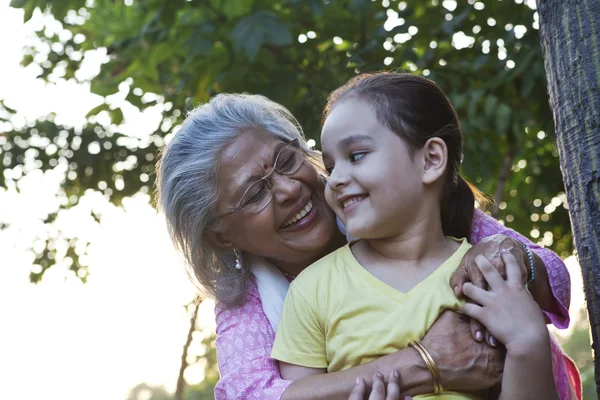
[[338, 179]]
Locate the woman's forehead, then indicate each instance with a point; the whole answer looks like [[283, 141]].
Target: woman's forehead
[[244, 158], [250, 148]]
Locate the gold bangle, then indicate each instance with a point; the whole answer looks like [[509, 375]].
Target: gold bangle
[[433, 369]]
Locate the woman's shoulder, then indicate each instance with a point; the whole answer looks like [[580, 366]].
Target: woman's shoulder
[[250, 301]]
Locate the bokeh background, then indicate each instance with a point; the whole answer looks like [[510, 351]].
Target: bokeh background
[[95, 302]]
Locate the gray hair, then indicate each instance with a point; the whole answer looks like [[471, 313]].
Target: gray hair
[[187, 188]]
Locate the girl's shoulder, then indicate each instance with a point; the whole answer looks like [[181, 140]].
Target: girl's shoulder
[[329, 265]]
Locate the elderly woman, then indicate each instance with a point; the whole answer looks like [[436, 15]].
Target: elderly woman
[[243, 197]]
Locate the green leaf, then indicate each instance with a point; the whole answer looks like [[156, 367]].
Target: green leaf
[[316, 7], [135, 100], [29, 9], [359, 5], [97, 110], [489, 106], [103, 88], [201, 41], [236, 8], [260, 28], [59, 8], [116, 116], [17, 3], [502, 119]]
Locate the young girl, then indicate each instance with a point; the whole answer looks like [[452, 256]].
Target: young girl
[[392, 145]]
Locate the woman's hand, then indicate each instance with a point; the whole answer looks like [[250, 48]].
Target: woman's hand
[[464, 364], [490, 247], [379, 390]]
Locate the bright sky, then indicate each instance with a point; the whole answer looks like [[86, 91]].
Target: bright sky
[[127, 325]]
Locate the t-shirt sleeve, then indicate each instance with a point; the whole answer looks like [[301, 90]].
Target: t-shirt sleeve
[[300, 338]]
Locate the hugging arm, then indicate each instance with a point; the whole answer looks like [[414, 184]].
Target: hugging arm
[[245, 338], [244, 341], [463, 363]]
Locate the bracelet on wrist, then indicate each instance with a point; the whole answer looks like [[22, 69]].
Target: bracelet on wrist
[[531, 273], [433, 369]]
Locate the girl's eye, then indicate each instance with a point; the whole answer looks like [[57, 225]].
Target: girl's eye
[[354, 157]]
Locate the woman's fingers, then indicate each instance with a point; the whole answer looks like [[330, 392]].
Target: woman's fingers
[[469, 272], [513, 269], [491, 275], [358, 391], [460, 276], [492, 341], [477, 330]]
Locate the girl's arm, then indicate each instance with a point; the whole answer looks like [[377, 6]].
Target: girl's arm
[[509, 312], [478, 367], [245, 339], [552, 289], [311, 383]]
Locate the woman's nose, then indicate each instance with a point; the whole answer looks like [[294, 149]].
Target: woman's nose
[[285, 187]]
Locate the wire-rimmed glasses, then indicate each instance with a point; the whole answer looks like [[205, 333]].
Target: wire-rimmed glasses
[[259, 194]]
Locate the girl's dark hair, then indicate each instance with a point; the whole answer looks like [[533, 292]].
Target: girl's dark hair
[[416, 109]]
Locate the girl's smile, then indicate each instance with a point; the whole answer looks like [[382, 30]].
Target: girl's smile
[[372, 172]]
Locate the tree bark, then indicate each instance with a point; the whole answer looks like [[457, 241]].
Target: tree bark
[[570, 38], [180, 379]]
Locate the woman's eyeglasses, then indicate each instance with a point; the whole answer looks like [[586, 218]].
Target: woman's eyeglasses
[[259, 194]]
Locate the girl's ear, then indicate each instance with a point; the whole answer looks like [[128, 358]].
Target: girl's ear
[[219, 238], [435, 155]]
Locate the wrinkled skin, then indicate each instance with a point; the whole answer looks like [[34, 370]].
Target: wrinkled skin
[[464, 364]]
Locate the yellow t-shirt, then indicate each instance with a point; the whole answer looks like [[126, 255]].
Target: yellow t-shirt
[[337, 315]]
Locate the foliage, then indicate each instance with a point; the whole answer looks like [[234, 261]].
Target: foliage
[[205, 389], [485, 55], [201, 391], [144, 391], [577, 346]]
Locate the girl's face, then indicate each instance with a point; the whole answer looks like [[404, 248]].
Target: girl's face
[[295, 228], [375, 187]]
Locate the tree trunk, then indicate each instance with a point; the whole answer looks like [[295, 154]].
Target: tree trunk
[[194, 305], [570, 38]]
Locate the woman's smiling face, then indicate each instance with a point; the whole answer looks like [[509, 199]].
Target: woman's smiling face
[[295, 228]]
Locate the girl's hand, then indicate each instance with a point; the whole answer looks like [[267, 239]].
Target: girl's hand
[[507, 310], [379, 390], [490, 247]]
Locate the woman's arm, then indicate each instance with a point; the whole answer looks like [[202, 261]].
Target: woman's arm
[[244, 342], [245, 339], [463, 363], [552, 290]]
